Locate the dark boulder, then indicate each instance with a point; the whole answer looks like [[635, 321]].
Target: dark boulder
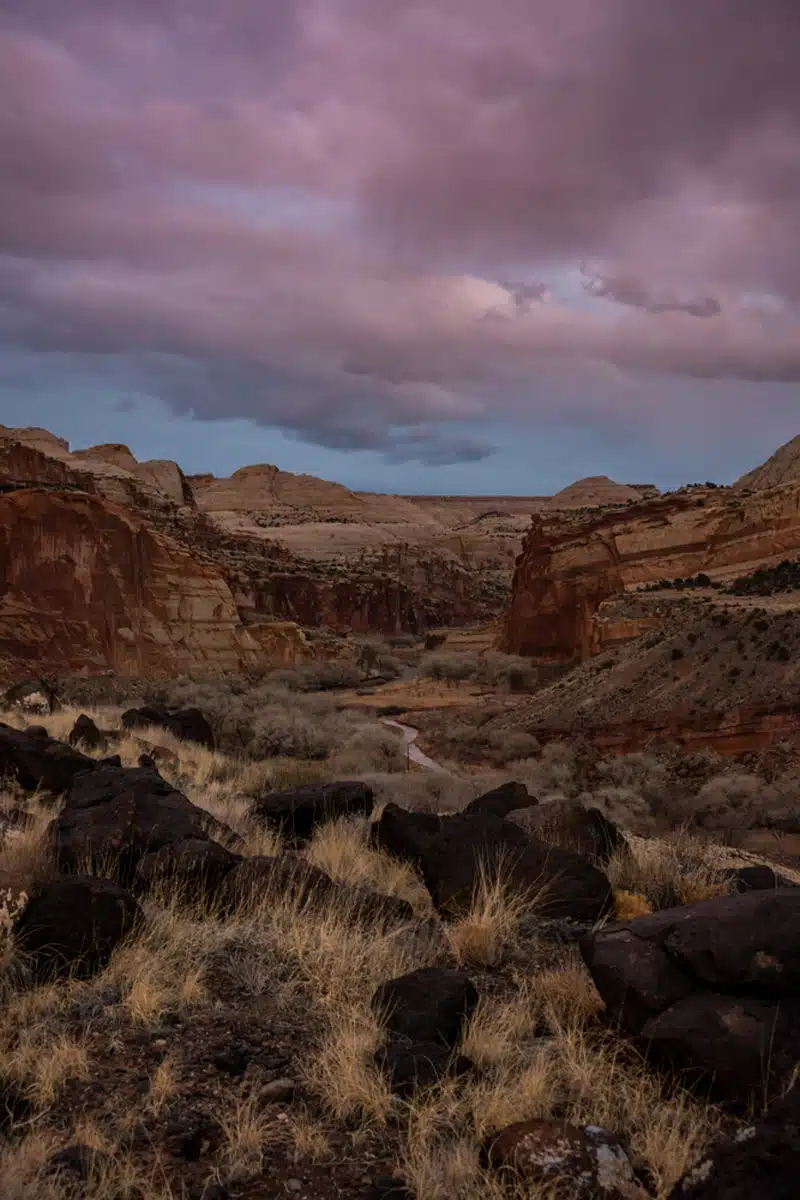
[[265, 879], [38, 731], [740, 1045], [410, 1066], [298, 811], [72, 926], [40, 763], [125, 813], [756, 879], [762, 1161], [388, 1187], [193, 870], [79, 1161], [714, 986], [501, 801], [467, 850], [566, 823], [581, 1163], [430, 1005], [33, 696], [85, 733], [188, 724], [404, 834]]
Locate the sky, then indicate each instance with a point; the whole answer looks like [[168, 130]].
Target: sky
[[433, 246]]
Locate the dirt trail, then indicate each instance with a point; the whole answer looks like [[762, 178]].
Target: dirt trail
[[415, 755]]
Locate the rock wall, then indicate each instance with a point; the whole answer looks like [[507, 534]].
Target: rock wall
[[567, 569], [85, 585], [741, 731]]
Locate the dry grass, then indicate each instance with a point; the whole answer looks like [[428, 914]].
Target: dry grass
[[310, 1138], [483, 936], [534, 1038], [668, 871], [343, 1072], [162, 1086], [341, 849], [248, 1127]]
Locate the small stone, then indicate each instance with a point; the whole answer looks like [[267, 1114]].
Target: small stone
[[294, 1185], [277, 1091]]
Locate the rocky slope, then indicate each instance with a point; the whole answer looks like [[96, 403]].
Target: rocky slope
[[721, 674], [782, 467], [568, 568]]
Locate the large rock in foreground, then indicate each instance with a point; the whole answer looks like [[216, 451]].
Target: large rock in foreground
[[187, 724], [470, 849], [763, 1161], [713, 986], [37, 762], [123, 814], [72, 926], [289, 877], [579, 1163], [298, 811], [429, 1005]]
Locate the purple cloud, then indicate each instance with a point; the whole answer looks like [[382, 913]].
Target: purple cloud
[[297, 211]]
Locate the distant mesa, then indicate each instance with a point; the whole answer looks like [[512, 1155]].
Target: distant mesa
[[113, 452], [598, 491]]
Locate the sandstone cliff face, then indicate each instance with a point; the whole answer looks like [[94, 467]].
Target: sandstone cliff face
[[35, 456], [781, 467], [568, 569], [85, 585]]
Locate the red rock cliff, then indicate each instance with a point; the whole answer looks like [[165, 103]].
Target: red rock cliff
[[86, 585], [568, 568]]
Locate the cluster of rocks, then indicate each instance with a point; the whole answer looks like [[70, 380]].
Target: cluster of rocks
[[711, 988]]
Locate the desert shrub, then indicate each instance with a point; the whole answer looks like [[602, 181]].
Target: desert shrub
[[269, 719], [370, 748], [504, 746], [733, 800], [636, 792], [323, 676], [668, 872], [468, 737], [507, 672], [625, 806], [421, 791], [453, 667]]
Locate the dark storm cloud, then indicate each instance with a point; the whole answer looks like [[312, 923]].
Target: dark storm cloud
[[259, 193], [635, 294]]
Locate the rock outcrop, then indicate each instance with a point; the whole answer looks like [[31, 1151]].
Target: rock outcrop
[[712, 987], [781, 467], [87, 585], [567, 569], [596, 491]]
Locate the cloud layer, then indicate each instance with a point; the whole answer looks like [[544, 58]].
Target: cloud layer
[[298, 212]]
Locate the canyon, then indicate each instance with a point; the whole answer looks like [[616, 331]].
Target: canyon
[[113, 564], [570, 566]]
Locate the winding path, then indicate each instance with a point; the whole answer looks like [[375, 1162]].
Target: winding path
[[415, 755]]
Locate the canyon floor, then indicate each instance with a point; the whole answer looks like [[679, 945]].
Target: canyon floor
[[211, 1058]]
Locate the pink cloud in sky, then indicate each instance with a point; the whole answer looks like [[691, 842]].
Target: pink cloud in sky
[[307, 204]]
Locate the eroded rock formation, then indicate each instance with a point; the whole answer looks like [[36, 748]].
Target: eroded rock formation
[[86, 584], [568, 568]]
